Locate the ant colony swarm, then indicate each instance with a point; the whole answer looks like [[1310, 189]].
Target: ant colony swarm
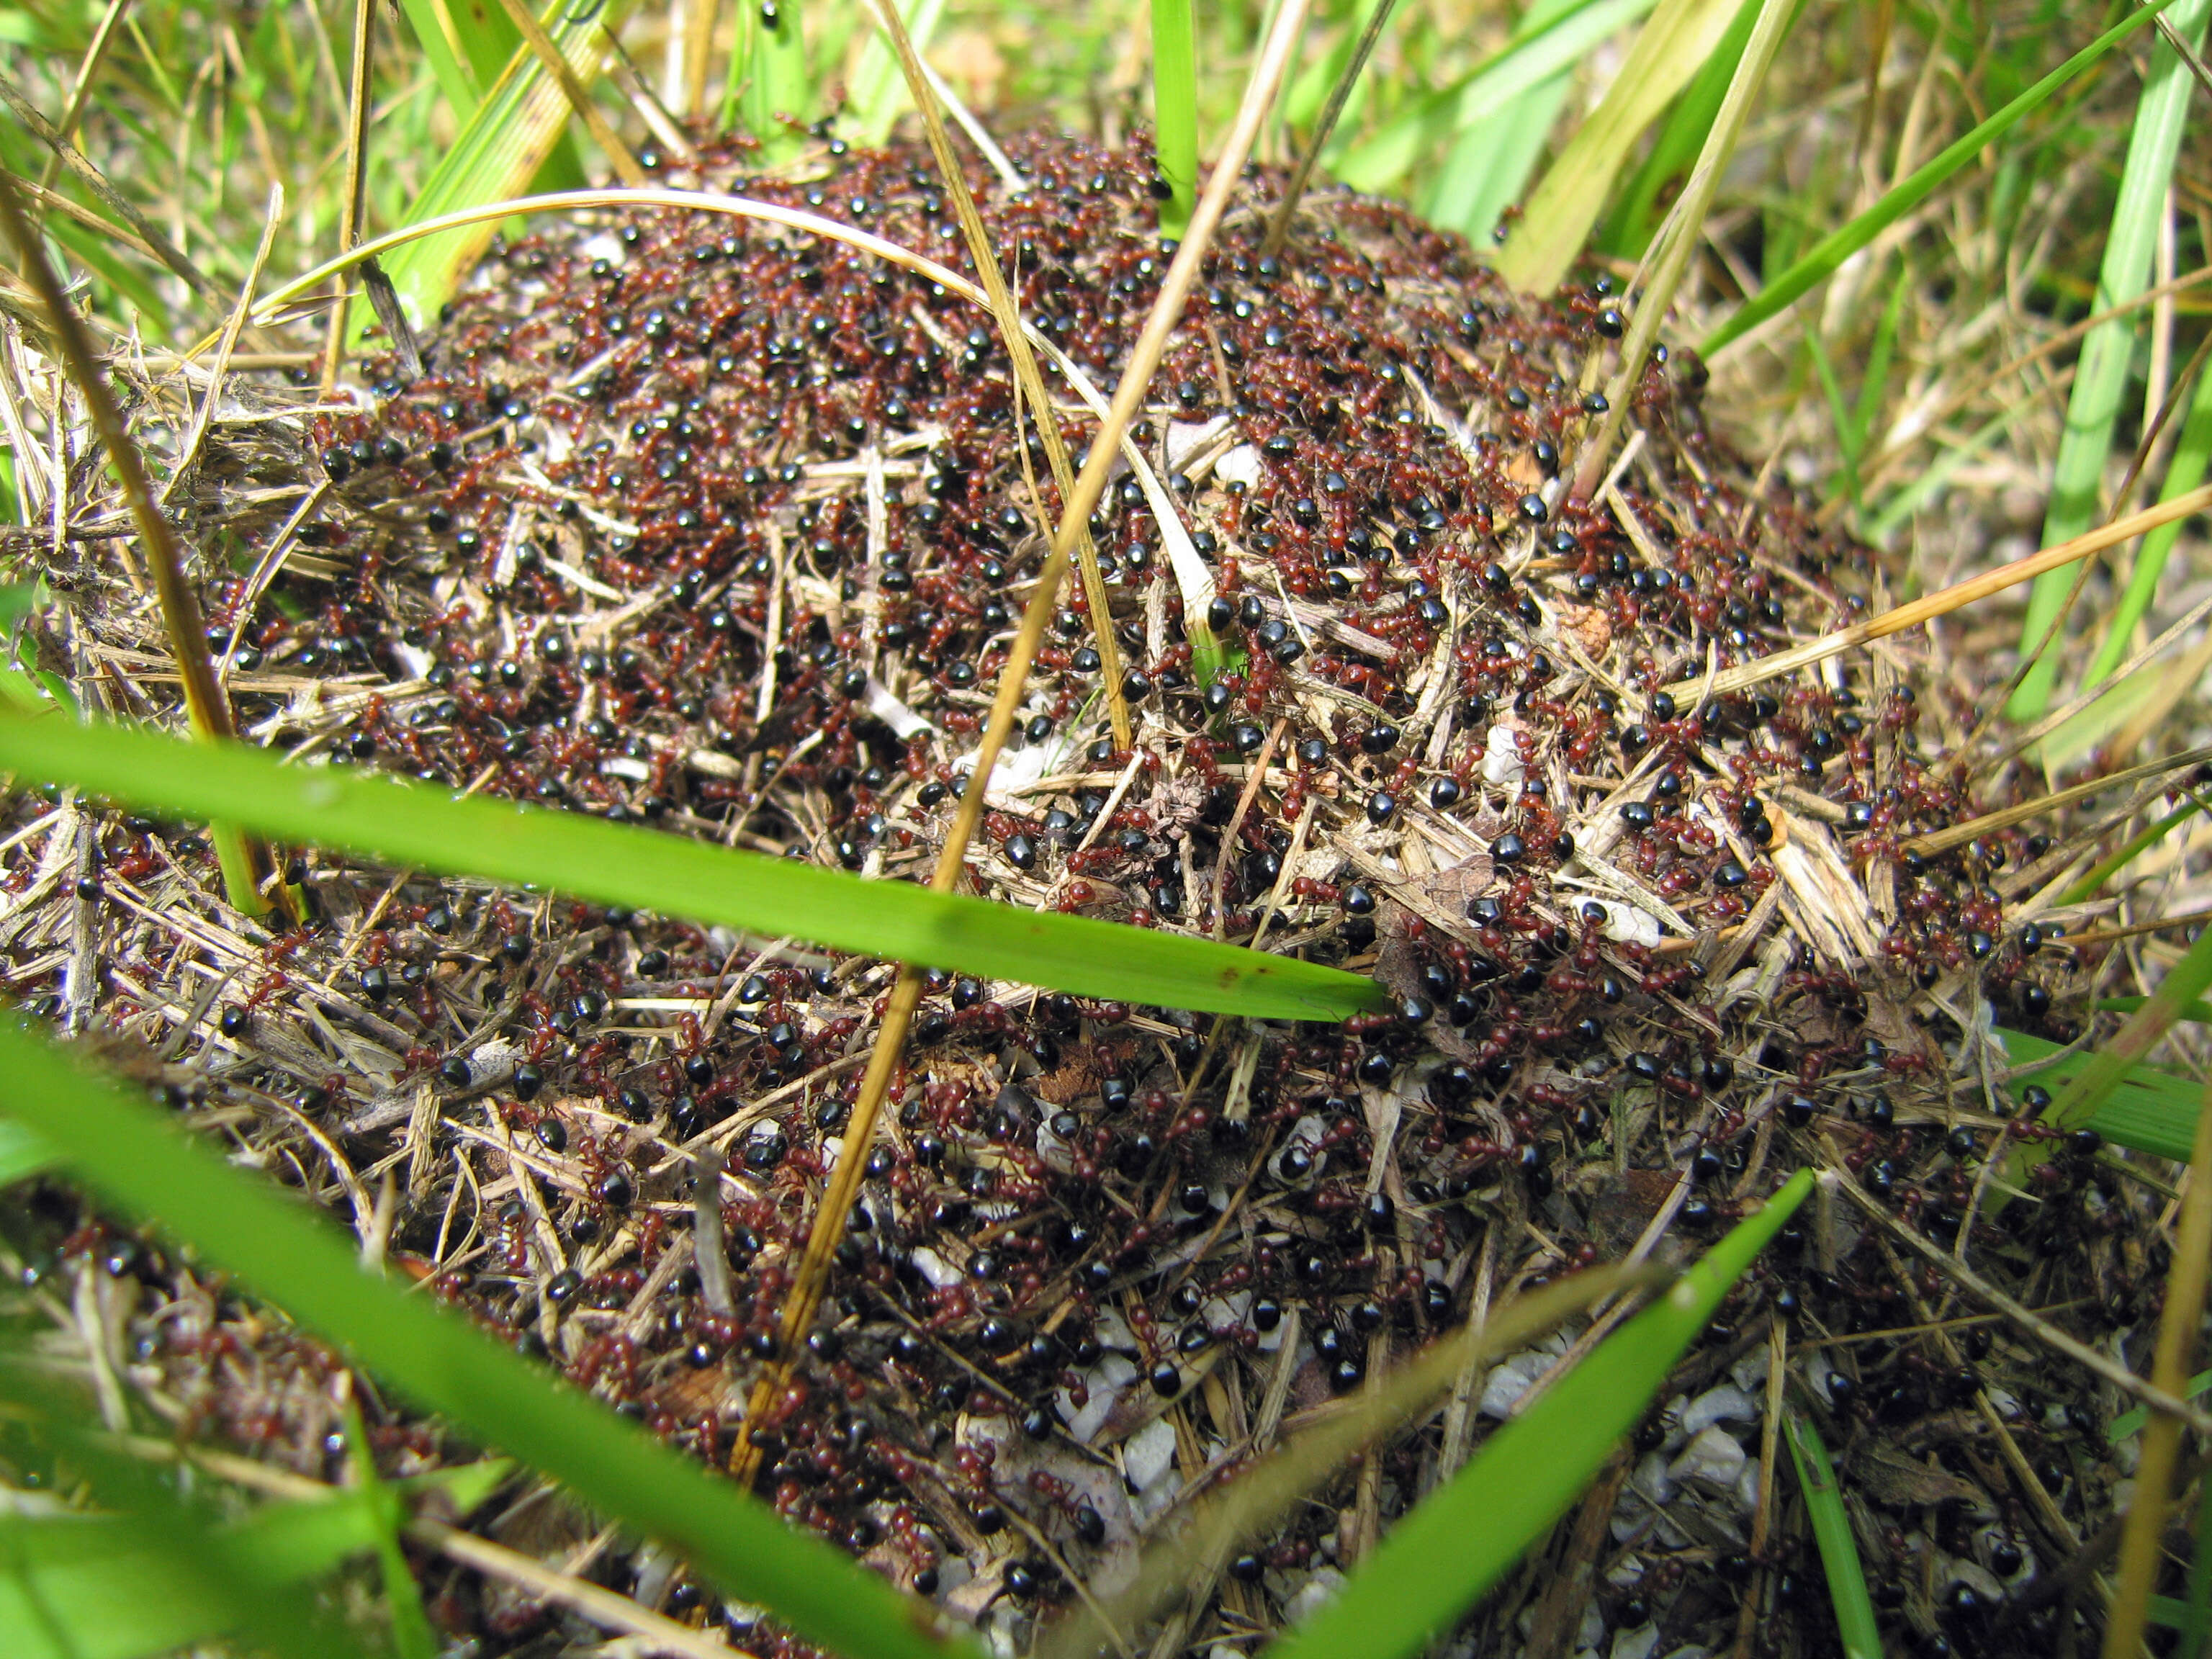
[[723, 528]]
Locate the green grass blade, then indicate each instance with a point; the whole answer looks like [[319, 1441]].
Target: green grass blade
[[157, 1567], [2183, 474], [456, 76], [1670, 48], [150, 1166], [876, 96], [1839, 412], [2101, 372], [1491, 159], [1174, 111], [1628, 232], [406, 824], [1821, 261], [504, 146], [1831, 1532], [1380, 162], [2137, 844], [1443, 1555], [768, 78], [411, 1636], [2146, 1110]]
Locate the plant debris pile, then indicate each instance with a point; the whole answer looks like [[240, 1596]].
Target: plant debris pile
[[723, 527]]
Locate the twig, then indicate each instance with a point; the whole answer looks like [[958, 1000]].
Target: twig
[[1957, 835], [1279, 226], [601, 1607], [1028, 382]]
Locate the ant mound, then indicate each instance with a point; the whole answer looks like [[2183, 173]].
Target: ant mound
[[722, 527]]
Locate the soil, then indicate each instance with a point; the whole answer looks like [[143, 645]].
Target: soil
[[723, 528]]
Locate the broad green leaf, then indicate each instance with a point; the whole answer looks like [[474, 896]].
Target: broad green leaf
[[1489, 163], [1381, 161], [152, 1167], [1819, 262], [409, 823], [1831, 1532], [1438, 1560], [1672, 47], [76, 1587], [2146, 1110], [2101, 372], [769, 86], [437, 33]]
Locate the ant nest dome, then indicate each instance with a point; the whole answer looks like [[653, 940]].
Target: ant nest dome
[[724, 527]]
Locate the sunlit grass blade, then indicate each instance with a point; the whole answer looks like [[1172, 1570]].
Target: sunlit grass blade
[[769, 90], [426, 827], [1821, 260], [1381, 161], [1629, 229], [2088, 1090], [150, 1166], [1448, 1552], [877, 94], [2146, 1110], [1831, 1532], [1489, 162], [500, 150], [450, 53], [2183, 474], [2102, 370], [1670, 48], [1174, 111]]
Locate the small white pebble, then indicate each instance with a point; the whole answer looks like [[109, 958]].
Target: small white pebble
[[1712, 1459], [1726, 1404]]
